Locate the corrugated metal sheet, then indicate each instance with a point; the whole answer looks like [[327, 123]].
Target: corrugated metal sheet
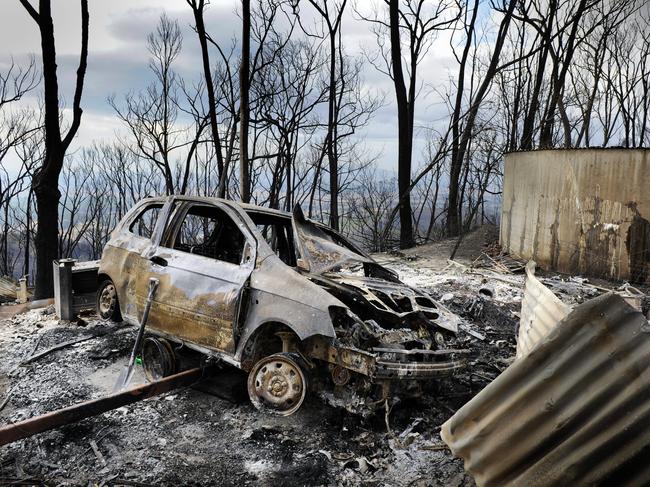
[[541, 310], [8, 288], [574, 411]]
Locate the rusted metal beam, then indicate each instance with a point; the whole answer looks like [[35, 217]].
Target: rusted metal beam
[[77, 412]]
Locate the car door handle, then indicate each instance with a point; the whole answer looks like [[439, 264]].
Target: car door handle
[[156, 259]]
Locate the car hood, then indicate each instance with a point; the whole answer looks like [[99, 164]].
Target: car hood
[[318, 252], [391, 305]]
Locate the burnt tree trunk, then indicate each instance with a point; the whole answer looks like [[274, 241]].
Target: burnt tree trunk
[[197, 9], [330, 146], [546, 130], [47, 231], [28, 224], [244, 85], [404, 130], [45, 182], [453, 218], [529, 120], [333, 163], [454, 223]]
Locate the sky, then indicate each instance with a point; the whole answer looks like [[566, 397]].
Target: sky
[[118, 57]]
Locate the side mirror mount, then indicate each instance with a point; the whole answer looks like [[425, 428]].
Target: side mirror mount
[[248, 253]]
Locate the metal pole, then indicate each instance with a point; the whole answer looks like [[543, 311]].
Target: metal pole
[[77, 412], [63, 288]]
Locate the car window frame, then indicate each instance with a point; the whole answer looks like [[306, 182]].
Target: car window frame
[[141, 210], [171, 229], [253, 214]]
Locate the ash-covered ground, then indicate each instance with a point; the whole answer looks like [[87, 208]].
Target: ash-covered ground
[[188, 437]]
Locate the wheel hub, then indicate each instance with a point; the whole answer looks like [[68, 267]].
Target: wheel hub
[[277, 382], [340, 375], [278, 386], [107, 300]]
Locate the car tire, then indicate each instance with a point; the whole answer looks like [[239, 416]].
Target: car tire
[[107, 304], [278, 384]]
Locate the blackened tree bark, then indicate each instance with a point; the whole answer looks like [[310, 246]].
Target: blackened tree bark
[[460, 151], [420, 21], [404, 128], [46, 179], [546, 130], [333, 23], [198, 7], [244, 88], [456, 128], [529, 121]]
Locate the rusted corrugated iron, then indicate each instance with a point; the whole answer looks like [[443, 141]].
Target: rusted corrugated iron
[[574, 411], [541, 310]]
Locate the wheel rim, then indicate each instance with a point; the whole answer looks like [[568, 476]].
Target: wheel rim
[[107, 300], [278, 384], [157, 359]]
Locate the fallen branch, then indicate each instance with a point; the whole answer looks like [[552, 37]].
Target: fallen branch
[[489, 274], [59, 346], [56, 347], [4, 403], [132, 483], [98, 454], [473, 333], [451, 262], [38, 342], [434, 447]]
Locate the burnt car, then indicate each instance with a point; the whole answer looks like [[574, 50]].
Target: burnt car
[[279, 296]]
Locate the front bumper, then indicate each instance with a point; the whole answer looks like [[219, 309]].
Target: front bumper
[[393, 364], [446, 363]]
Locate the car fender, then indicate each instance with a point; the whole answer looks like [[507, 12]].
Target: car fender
[[280, 294]]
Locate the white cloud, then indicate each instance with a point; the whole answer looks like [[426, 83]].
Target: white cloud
[[118, 59]]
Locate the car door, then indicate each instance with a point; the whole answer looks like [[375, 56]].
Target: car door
[[127, 254], [203, 262]]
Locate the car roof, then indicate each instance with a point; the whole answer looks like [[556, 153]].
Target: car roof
[[235, 204], [246, 207]]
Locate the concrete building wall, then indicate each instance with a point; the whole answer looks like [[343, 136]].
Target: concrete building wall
[[582, 211]]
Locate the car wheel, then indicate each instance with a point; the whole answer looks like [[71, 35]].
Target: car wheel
[[108, 307], [278, 384], [158, 359]]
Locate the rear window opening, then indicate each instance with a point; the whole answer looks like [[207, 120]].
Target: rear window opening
[[278, 233]]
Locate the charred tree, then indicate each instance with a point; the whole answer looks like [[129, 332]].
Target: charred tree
[[198, 7], [244, 110], [533, 107], [420, 21], [333, 24], [546, 129], [45, 181], [404, 128], [461, 141]]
